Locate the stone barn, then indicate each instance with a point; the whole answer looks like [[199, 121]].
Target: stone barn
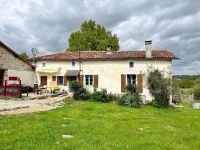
[[11, 64]]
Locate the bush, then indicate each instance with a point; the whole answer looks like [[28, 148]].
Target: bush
[[131, 88], [197, 93], [159, 87], [102, 96], [130, 100], [79, 91]]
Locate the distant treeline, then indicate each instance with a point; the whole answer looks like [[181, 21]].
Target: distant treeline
[[193, 77], [187, 81]]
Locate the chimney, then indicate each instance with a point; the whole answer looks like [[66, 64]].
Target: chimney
[[109, 49], [148, 52]]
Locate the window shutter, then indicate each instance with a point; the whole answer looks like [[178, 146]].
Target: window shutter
[[140, 83], [96, 81], [53, 78], [65, 80], [81, 79], [123, 83]]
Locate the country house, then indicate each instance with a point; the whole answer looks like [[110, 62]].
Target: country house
[[111, 70]]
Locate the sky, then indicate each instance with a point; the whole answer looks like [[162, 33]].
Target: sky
[[47, 24]]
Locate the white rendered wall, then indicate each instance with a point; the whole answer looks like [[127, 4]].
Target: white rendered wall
[[26, 77], [109, 72]]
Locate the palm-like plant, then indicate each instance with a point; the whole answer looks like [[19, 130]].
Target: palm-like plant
[[132, 98]]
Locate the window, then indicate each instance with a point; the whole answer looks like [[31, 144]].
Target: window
[[88, 80], [43, 64], [131, 64], [131, 79], [59, 80], [73, 63]]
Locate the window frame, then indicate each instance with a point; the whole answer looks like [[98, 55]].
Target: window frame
[[132, 78], [44, 64], [73, 63], [58, 81], [89, 80], [131, 64]]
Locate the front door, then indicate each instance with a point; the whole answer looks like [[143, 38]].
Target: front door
[[70, 79], [43, 80], [1, 77]]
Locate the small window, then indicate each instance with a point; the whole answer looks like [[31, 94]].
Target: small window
[[59, 80], [131, 64], [88, 80], [43, 64], [73, 63]]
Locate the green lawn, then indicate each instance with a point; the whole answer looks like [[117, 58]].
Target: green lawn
[[97, 126]]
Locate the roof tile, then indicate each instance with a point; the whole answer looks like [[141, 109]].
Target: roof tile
[[102, 55]]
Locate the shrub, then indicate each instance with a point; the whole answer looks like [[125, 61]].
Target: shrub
[[159, 87], [197, 93], [113, 97], [102, 96], [130, 100], [75, 85], [131, 88], [79, 91]]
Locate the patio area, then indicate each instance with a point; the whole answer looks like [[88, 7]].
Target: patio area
[[32, 103]]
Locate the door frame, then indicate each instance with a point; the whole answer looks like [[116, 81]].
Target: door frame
[[41, 80], [1, 76]]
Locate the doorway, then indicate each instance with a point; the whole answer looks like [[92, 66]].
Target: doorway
[[1, 77], [43, 80], [70, 79]]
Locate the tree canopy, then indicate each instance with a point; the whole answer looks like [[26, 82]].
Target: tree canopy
[[93, 37], [24, 56]]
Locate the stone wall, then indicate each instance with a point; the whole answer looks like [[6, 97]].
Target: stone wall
[[16, 67], [1, 57], [10, 62]]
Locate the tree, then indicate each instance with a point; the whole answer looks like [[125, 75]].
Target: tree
[[24, 56], [159, 87], [92, 37]]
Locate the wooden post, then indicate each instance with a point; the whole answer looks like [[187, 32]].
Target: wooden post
[[5, 88]]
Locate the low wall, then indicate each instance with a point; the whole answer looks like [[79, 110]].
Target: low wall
[[27, 77]]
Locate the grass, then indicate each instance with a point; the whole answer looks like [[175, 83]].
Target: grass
[[102, 126]]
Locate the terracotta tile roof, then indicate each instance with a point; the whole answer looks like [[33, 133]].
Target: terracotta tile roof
[[103, 55]]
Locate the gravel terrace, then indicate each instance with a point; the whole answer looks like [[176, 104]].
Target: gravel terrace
[[17, 106]]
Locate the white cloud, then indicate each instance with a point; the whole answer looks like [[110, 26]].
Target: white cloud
[[173, 25]]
